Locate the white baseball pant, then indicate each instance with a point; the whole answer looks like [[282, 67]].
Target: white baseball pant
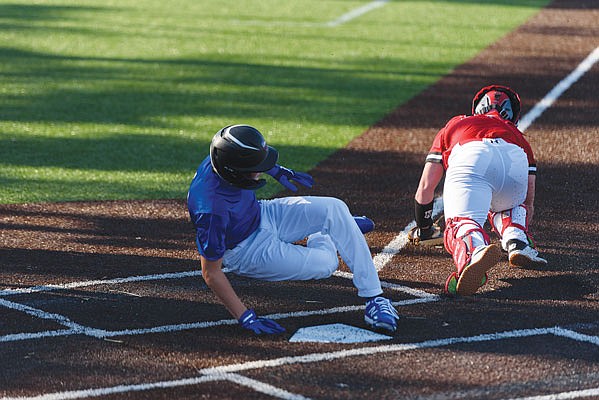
[[270, 253], [491, 174]]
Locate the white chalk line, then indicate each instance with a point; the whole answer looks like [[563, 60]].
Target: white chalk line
[[172, 275], [380, 260], [392, 286], [74, 285], [262, 387], [401, 240], [559, 89], [351, 15], [77, 329], [229, 372], [235, 378], [575, 394], [60, 319], [16, 337], [579, 337], [383, 258], [389, 250], [357, 13]]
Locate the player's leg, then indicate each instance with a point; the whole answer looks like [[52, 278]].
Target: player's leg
[[472, 260], [264, 256], [298, 217], [467, 194], [508, 216], [510, 226], [329, 224]]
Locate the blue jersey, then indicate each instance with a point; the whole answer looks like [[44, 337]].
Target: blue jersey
[[223, 215]]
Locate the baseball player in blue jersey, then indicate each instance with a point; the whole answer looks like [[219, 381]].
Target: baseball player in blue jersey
[[256, 238]]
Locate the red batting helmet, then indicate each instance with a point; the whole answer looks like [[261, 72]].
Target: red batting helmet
[[500, 98]]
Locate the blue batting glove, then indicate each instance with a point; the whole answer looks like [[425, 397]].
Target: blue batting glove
[[250, 321], [285, 175]]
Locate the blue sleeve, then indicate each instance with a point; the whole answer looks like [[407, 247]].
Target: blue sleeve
[[210, 236]]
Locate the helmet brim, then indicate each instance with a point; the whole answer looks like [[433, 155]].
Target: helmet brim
[[271, 159]]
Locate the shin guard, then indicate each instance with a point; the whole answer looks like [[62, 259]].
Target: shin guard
[[459, 239], [510, 224], [460, 234]]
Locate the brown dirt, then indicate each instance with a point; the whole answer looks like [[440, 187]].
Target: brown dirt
[[376, 175]]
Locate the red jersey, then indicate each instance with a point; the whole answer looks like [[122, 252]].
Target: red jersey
[[463, 129]]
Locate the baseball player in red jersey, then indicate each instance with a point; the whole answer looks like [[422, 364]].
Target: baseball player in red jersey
[[490, 173]]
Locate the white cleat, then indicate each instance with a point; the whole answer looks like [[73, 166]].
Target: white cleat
[[526, 257], [473, 275]]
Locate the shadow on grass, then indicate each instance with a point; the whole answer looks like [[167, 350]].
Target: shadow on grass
[[147, 92]]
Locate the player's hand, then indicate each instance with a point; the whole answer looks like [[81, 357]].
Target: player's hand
[[249, 320], [285, 175], [430, 236]]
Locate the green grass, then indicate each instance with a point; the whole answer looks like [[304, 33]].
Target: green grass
[[119, 99]]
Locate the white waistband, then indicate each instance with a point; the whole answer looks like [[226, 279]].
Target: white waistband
[[493, 140]]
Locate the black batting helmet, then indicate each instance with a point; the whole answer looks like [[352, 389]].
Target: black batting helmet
[[236, 151], [500, 98]]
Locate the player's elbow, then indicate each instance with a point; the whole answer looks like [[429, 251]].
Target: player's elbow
[[210, 270], [208, 276]]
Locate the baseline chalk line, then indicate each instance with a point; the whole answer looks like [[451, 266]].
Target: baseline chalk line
[[225, 372], [558, 90]]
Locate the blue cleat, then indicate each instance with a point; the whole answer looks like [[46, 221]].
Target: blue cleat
[[365, 224], [380, 315]]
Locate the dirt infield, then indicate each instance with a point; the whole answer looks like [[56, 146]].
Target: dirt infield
[[527, 333]]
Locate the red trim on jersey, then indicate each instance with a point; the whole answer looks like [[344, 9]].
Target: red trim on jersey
[[463, 129]]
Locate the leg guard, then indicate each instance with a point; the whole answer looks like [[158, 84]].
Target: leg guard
[[462, 235], [469, 246], [510, 225]]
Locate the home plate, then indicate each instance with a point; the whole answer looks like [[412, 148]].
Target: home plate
[[336, 333]]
